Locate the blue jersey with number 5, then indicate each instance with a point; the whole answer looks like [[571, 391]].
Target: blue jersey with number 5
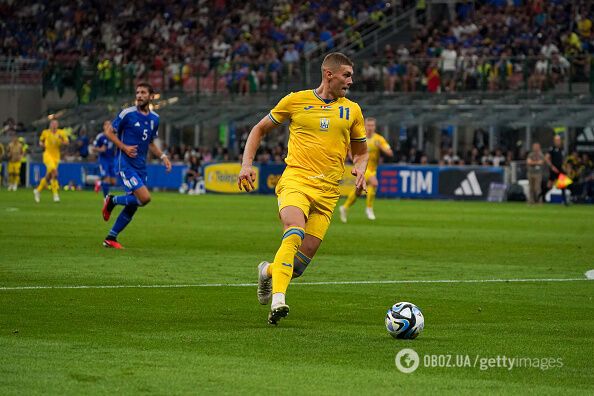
[[135, 129]]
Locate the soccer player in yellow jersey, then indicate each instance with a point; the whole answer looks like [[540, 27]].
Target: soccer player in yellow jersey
[[376, 145], [323, 125], [51, 140], [15, 155]]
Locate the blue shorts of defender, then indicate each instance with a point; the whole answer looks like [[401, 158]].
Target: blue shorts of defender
[[107, 169], [132, 179]]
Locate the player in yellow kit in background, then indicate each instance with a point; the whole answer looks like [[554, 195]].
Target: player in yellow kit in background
[[51, 140], [323, 125], [15, 153], [376, 145]]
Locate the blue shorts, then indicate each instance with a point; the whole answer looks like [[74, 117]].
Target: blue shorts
[[132, 179], [107, 169]]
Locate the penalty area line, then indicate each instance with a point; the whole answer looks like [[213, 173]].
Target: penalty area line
[[322, 283]]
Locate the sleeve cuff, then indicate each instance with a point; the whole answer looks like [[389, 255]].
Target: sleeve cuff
[[273, 120]]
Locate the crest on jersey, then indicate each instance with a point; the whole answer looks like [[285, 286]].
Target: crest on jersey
[[324, 124], [326, 107]]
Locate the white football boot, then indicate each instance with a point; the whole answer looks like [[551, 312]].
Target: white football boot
[[369, 213], [264, 285]]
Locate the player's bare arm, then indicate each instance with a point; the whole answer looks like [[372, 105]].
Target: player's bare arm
[[157, 152], [130, 151], [247, 175], [387, 151], [360, 158]]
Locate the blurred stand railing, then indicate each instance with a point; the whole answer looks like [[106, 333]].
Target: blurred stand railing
[[243, 76]]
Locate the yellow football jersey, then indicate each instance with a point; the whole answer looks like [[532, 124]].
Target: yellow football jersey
[[53, 141], [375, 145], [320, 133]]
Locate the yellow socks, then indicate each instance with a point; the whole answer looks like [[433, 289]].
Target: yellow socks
[[370, 196], [54, 186], [42, 185], [282, 267], [351, 199]]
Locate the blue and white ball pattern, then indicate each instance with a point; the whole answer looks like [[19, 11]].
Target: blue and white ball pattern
[[404, 320]]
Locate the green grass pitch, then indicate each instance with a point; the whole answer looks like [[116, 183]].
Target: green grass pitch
[[198, 339]]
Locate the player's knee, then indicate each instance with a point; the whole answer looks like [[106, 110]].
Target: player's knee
[[144, 200]]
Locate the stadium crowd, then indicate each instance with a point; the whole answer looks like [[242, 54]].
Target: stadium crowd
[[531, 44], [228, 43]]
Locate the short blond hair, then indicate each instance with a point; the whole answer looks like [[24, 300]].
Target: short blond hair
[[334, 60]]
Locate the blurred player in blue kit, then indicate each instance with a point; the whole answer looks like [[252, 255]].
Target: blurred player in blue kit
[[106, 151]]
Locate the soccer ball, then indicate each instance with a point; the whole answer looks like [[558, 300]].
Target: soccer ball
[[404, 320]]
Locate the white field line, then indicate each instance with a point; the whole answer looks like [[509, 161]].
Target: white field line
[[370, 282]]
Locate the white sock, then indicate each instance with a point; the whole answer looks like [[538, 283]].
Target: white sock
[[278, 298], [264, 271]]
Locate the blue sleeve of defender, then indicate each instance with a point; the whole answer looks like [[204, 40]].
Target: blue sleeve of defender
[[99, 141], [120, 122]]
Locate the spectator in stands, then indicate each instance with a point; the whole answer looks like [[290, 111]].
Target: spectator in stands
[[498, 158], [219, 52], [535, 163], [486, 158], [448, 67], [391, 76], [291, 60], [370, 75], [504, 74], [549, 48], [473, 157], [450, 158], [539, 76], [432, 77], [468, 70], [411, 78], [402, 53], [559, 68]]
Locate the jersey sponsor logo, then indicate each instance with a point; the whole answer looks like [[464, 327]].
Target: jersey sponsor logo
[[308, 107], [469, 186], [324, 124], [137, 124]]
